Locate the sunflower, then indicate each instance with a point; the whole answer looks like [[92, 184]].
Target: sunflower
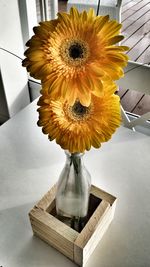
[[76, 128], [75, 54]]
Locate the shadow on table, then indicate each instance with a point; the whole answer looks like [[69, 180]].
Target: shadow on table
[[25, 249]]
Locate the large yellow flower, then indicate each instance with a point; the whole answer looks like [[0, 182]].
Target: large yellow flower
[[77, 128], [75, 54]]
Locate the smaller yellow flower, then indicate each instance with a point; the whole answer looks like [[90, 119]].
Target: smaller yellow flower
[[76, 128]]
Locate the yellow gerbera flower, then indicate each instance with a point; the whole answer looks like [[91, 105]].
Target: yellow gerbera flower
[[74, 54], [77, 128]]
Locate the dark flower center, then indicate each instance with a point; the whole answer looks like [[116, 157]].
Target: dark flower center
[[76, 51], [79, 110]]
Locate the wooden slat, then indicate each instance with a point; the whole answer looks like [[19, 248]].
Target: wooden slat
[[143, 106], [124, 3], [121, 92], [48, 199], [145, 57], [138, 29], [131, 42], [48, 227], [126, 15], [92, 233], [130, 21], [139, 48], [143, 52], [137, 37], [102, 195], [130, 100], [135, 12], [88, 230], [134, 5], [128, 3], [139, 5]]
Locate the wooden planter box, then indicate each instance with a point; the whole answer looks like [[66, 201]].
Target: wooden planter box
[[76, 246]]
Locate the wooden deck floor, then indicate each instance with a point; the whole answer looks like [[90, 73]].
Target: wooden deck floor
[[136, 29]]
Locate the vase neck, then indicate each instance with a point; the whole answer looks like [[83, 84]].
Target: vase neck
[[73, 155], [75, 161]]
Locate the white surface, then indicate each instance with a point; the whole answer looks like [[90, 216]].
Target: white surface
[[13, 75], [30, 165]]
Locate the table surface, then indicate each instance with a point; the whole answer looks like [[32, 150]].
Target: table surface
[[30, 165]]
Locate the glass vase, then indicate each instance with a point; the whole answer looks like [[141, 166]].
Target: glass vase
[[73, 190]]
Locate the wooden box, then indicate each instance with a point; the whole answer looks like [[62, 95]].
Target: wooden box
[[76, 246]]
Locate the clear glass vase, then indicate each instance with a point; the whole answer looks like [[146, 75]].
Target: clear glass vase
[[73, 190]]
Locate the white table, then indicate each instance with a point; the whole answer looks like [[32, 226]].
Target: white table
[[30, 165]]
